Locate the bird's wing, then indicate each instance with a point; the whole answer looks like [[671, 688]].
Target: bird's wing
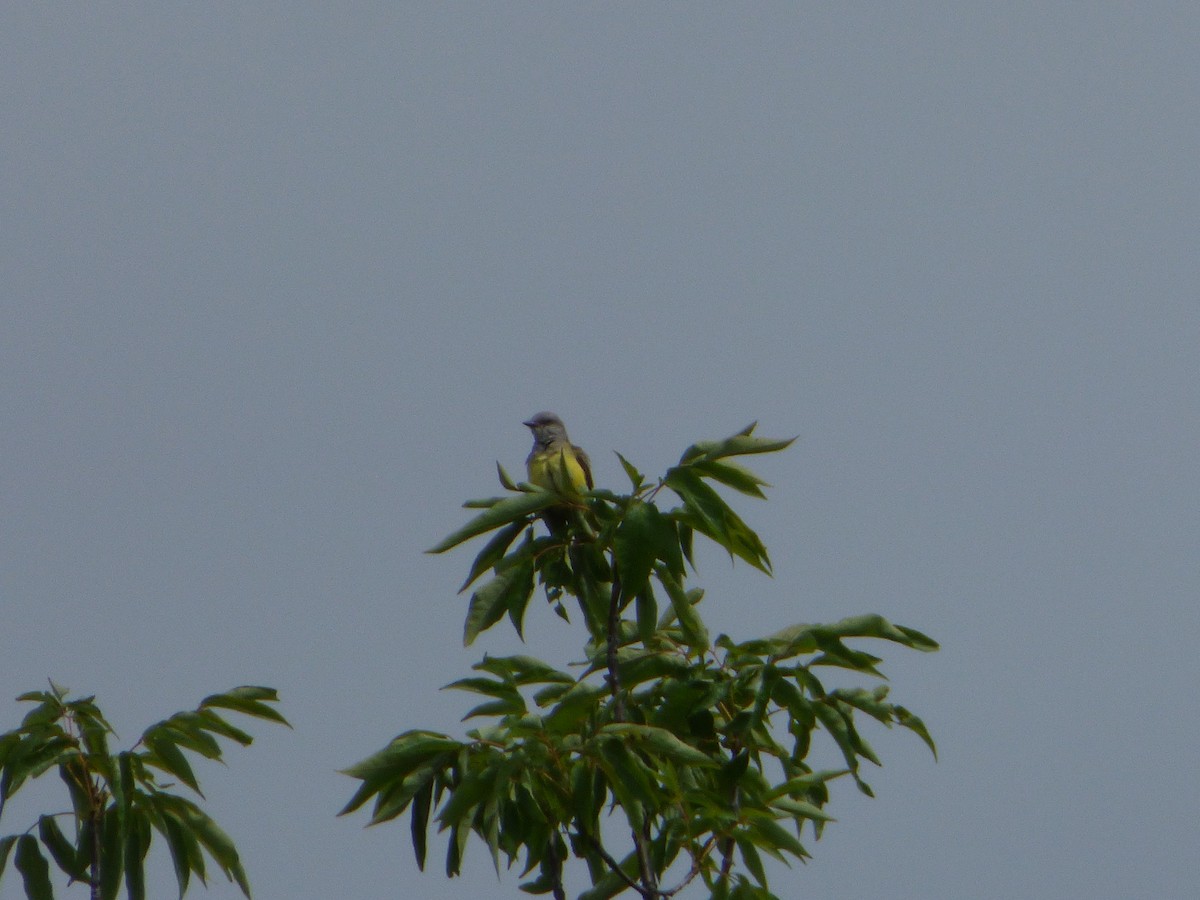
[[585, 464]]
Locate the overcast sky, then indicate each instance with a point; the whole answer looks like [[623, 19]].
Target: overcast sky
[[280, 282]]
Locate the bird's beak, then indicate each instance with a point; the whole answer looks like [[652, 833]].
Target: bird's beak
[[527, 424]]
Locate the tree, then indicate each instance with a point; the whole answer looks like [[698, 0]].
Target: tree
[[117, 801], [672, 758]]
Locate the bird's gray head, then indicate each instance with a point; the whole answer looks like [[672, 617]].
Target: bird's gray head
[[547, 428]]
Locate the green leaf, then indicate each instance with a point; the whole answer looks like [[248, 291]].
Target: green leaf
[[395, 795], [43, 697], [218, 844], [137, 843], [210, 721], [907, 720], [507, 510], [661, 742], [773, 837], [466, 796], [34, 869], [112, 853], [686, 537], [185, 849], [636, 546], [61, 850], [183, 730], [694, 631], [456, 851], [878, 627], [403, 754], [740, 444], [511, 588], [31, 757], [737, 477], [835, 653], [6, 845], [406, 754], [647, 613], [421, 804], [505, 480], [636, 479], [802, 784], [750, 856], [247, 700], [486, 686], [575, 705], [508, 706], [705, 511], [493, 551], [162, 753], [8, 742], [638, 667], [799, 809], [522, 669]]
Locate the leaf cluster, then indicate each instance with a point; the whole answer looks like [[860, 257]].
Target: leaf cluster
[[698, 746], [119, 801]]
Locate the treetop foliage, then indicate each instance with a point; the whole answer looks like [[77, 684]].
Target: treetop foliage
[[670, 758]]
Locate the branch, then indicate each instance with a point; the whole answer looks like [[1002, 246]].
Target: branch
[[615, 866], [641, 842], [697, 868]]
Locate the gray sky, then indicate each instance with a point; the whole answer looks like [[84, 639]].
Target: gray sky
[[282, 280]]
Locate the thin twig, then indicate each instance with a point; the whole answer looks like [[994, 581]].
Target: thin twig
[[697, 868], [616, 867]]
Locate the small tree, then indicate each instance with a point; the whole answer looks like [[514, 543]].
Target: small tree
[[117, 801], [698, 744]]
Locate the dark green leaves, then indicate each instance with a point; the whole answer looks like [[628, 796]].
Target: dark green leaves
[[249, 700], [508, 592], [704, 511], [117, 801], [644, 537], [33, 868]]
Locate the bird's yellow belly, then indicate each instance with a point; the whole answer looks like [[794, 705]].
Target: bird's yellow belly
[[557, 470]]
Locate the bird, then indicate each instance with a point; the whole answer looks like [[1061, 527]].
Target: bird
[[555, 463]]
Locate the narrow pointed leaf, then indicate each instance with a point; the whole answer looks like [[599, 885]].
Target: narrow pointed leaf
[[733, 475], [510, 509], [660, 741], [493, 552], [740, 444], [505, 480], [492, 601], [705, 511], [647, 613], [34, 869], [915, 725], [419, 824], [6, 845], [695, 633], [61, 850], [636, 546], [164, 754], [636, 479], [137, 842], [185, 851], [112, 854]]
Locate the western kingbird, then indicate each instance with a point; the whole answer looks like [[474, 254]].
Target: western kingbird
[[554, 462]]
